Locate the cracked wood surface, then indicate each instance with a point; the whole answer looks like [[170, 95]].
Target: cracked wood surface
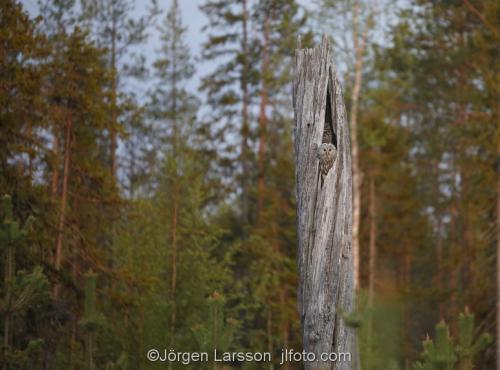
[[324, 213]]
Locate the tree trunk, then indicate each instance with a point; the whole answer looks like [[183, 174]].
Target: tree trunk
[[114, 102], [90, 349], [245, 127], [372, 258], [55, 167], [72, 347], [357, 176], [31, 154], [440, 267], [54, 181], [176, 189], [454, 258], [407, 262], [173, 282], [64, 197], [324, 212], [262, 122], [9, 274], [269, 332], [498, 242], [285, 326]]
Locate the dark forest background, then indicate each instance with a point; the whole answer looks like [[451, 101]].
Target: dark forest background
[[167, 220]]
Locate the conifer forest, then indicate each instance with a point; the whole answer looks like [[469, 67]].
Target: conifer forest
[[148, 185]]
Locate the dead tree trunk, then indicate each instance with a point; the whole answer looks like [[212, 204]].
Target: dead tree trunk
[[324, 211]]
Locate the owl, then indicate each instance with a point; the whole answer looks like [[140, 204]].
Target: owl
[[326, 155], [327, 133]]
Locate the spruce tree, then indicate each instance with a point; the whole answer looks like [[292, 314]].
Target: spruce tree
[[20, 290], [179, 246], [173, 69], [217, 332]]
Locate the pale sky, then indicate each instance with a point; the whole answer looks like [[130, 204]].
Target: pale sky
[[192, 18]]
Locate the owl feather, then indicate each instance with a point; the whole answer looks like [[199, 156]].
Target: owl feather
[[326, 156]]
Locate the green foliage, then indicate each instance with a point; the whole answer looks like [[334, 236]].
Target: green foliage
[[438, 355], [378, 326], [22, 291], [27, 290], [354, 319], [216, 333], [22, 66], [27, 358], [468, 347], [11, 232], [446, 353], [92, 319]]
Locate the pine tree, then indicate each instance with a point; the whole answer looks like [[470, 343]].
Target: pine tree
[[271, 245], [22, 68], [116, 29], [449, 353], [439, 104], [58, 16], [231, 90], [84, 195]]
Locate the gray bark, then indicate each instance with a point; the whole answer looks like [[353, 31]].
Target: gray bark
[[498, 248], [324, 213]]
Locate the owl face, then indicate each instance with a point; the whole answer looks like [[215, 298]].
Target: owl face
[[326, 150]]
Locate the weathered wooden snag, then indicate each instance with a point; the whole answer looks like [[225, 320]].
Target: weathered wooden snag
[[324, 213]]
